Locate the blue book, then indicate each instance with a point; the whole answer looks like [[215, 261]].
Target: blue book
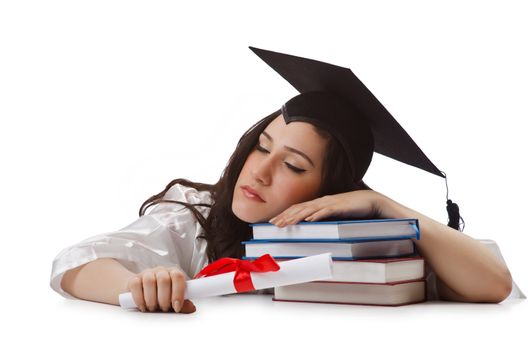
[[340, 249], [356, 230]]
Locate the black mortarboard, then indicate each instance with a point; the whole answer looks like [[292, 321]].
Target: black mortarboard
[[332, 97]]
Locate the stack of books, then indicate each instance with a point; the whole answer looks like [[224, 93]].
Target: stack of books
[[374, 262]]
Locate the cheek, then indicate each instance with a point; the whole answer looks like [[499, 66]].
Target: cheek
[[298, 191], [251, 160], [247, 165]]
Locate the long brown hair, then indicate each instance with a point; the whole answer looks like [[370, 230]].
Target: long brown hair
[[223, 231]]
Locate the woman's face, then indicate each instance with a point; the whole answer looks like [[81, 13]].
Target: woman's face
[[269, 171]]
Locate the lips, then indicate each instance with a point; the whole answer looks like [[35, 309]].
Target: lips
[[251, 191]]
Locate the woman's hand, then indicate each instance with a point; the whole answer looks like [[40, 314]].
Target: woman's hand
[[160, 288], [354, 204]]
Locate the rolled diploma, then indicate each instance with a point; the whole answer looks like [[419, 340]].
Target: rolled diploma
[[300, 270]]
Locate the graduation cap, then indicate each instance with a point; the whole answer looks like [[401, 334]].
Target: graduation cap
[[333, 98]]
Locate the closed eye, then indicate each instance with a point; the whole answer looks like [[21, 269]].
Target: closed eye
[[295, 169]]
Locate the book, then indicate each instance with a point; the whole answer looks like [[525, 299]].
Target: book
[[390, 270], [389, 294], [374, 262], [340, 249], [372, 229]]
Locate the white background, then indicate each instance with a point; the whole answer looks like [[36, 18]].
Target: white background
[[102, 103]]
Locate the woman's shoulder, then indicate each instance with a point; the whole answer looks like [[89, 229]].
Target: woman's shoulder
[[184, 194], [188, 194]]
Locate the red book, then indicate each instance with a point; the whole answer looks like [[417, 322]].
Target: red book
[[388, 270], [387, 282], [381, 294]]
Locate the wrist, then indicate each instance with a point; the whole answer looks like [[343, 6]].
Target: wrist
[[390, 209]]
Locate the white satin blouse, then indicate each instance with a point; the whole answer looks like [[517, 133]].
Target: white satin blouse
[[166, 236]]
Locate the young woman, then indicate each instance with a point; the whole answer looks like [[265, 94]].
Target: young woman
[[153, 256], [283, 170]]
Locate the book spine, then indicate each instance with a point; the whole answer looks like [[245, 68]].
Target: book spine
[[416, 229], [330, 240], [343, 303], [341, 258], [376, 283]]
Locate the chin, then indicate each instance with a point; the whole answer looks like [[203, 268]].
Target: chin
[[246, 214]]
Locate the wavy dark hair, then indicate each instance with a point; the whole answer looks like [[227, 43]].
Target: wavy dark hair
[[223, 230]]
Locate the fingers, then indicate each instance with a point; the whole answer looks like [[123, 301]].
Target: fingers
[[178, 289], [150, 291], [164, 290], [135, 286], [318, 214], [160, 288], [292, 217]]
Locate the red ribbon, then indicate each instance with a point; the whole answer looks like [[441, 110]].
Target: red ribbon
[[242, 280]]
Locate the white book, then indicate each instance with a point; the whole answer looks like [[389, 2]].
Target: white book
[[358, 229], [343, 249]]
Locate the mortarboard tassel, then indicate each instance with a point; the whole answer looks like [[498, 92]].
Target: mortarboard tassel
[[453, 211]]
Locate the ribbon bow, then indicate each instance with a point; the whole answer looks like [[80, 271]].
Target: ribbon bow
[[242, 280]]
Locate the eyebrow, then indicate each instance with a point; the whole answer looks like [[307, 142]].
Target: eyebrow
[[291, 149]]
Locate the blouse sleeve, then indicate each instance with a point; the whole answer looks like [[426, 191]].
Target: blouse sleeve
[[432, 292], [165, 236]]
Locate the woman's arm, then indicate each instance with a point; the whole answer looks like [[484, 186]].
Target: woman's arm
[[466, 270], [101, 280]]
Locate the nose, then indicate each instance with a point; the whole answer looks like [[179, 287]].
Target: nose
[[261, 170]]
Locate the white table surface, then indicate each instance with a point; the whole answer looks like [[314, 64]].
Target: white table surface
[[257, 322]]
